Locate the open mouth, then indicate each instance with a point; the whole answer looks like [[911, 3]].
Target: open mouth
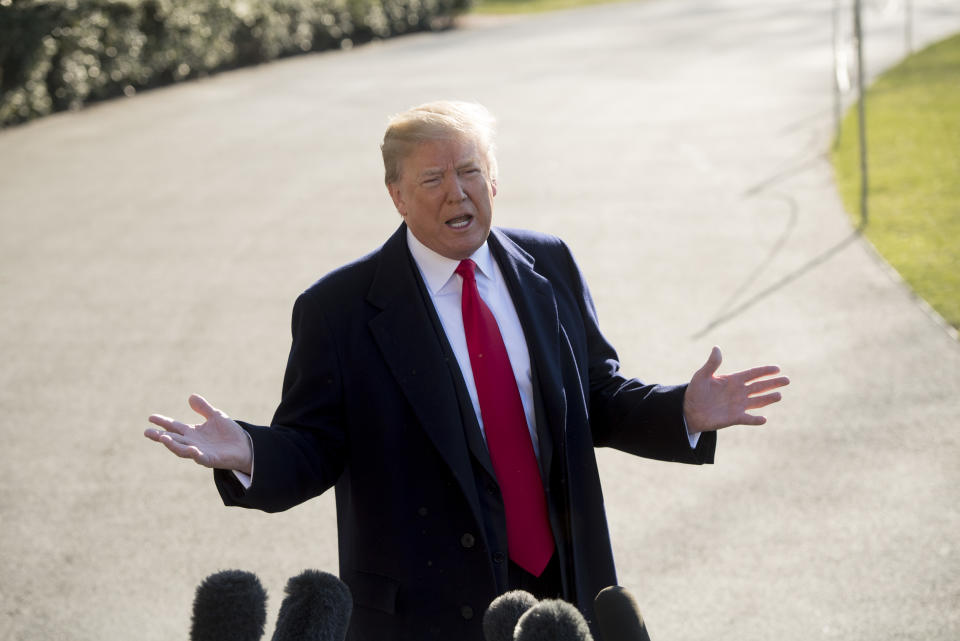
[[460, 222]]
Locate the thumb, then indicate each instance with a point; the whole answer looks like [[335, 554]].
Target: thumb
[[713, 363], [200, 405]]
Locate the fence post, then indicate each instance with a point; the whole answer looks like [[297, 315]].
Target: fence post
[[908, 25], [864, 181], [837, 97]]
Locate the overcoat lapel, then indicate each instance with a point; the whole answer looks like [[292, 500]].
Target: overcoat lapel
[[410, 346], [536, 305]]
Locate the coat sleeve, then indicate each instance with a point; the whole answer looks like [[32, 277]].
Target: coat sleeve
[[626, 413], [301, 454]]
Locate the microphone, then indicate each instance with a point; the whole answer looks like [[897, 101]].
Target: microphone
[[618, 616], [229, 606], [317, 608], [502, 615], [552, 620]]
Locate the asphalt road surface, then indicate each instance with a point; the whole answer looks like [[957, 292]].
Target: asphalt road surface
[[152, 247]]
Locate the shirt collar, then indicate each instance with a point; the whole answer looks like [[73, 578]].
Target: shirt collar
[[437, 270]]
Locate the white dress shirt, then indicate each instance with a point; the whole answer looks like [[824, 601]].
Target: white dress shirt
[[444, 287]]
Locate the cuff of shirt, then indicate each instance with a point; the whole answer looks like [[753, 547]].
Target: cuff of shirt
[[246, 480], [693, 438]]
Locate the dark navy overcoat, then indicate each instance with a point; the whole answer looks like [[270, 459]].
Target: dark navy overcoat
[[373, 404]]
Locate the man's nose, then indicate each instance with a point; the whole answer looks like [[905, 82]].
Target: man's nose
[[455, 190]]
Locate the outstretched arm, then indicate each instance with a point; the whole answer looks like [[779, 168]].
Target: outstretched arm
[[716, 401], [218, 442]]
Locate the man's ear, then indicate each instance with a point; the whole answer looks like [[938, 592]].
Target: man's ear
[[493, 186], [394, 190]]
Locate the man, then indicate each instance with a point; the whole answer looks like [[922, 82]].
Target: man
[[452, 386]]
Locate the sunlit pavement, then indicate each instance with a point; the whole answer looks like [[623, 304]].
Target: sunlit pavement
[[152, 247]]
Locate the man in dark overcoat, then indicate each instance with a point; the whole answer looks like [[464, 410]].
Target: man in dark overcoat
[[456, 481]]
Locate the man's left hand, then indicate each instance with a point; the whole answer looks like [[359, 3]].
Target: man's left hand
[[716, 401]]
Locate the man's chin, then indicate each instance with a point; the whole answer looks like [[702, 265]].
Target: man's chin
[[463, 248]]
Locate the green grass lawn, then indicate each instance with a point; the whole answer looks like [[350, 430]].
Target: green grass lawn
[[913, 145]]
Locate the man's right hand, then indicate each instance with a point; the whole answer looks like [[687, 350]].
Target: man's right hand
[[218, 442]]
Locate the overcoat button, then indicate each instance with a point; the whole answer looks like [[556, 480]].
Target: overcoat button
[[466, 612], [498, 557], [467, 540]]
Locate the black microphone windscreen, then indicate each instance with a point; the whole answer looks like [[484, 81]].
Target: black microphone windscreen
[[317, 608], [229, 606], [501, 617], [618, 616], [552, 620]]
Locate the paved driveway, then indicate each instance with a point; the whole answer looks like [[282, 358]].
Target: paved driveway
[[152, 247]]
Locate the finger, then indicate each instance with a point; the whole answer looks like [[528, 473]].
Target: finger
[[202, 407], [754, 373], [180, 449], [756, 402], [766, 385], [153, 434], [161, 436], [169, 424], [750, 419], [713, 363]]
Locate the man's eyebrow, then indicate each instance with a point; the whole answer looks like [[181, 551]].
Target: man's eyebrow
[[431, 171], [470, 162]]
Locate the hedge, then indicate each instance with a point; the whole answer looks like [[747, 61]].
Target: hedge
[[61, 54]]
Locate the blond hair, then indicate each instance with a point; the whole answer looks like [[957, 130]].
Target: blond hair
[[440, 120]]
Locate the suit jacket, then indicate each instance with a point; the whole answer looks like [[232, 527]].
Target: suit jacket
[[373, 403]]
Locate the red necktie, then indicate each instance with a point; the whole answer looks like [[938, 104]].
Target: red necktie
[[529, 540]]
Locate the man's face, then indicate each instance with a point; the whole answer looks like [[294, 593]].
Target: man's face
[[446, 196]]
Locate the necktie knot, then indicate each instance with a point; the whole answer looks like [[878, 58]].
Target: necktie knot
[[466, 269]]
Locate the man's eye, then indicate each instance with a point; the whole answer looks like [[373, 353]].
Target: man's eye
[[431, 181]]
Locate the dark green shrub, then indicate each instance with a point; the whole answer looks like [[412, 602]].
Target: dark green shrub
[[61, 54]]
